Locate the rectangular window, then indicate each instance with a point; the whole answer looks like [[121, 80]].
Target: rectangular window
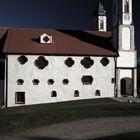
[[20, 97], [113, 80]]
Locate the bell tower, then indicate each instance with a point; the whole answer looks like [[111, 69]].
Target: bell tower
[[123, 39], [99, 18]]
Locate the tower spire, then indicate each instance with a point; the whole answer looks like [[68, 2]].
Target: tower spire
[[99, 18]]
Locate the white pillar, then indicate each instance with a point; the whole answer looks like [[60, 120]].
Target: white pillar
[[135, 82], [118, 83]]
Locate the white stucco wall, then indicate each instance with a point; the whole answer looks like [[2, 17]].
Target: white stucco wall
[[125, 73], [127, 59], [57, 70]]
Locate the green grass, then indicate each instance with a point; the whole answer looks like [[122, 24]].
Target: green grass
[[21, 118]]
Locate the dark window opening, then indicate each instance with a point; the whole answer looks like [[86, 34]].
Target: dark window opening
[[46, 39], [22, 59], [69, 62], [87, 62], [2, 70], [104, 61], [65, 82], [20, 97], [50, 82], [113, 80], [126, 6], [41, 62], [20, 81], [76, 93], [87, 80], [35, 81], [53, 94], [101, 25], [97, 93]]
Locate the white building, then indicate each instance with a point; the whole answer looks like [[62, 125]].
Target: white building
[[44, 65]]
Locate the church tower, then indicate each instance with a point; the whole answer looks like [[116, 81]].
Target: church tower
[[123, 39], [99, 19]]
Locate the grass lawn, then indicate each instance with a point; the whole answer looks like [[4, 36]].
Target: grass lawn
[[21, 118]]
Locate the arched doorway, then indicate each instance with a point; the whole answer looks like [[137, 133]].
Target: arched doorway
[[126, 87]]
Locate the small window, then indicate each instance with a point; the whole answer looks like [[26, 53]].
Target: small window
[[20, 81], [97, 93], [53, 94], [87, 80], [20, 98], [35, 82], [76, 93], [113, 80], [69, 62], [101, 25], [41, 62], [65, 82], [104, 61], [50, 82], [22, 59], [87, 62], [126, 6], [45, 39]]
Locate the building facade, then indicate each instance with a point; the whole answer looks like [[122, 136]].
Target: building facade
[[47, 65]]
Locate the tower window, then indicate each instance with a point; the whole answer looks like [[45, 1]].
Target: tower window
[[101, 25], [22, 59], [53, 94], [76, 93], [20, 98], [41, 62], [87, 80], [87, 62], [126, 6]]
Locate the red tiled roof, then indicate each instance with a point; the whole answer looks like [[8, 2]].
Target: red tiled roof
[[65, 42]]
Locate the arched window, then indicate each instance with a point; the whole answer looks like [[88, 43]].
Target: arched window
[[53, 94], [126, 6], [97, 92], [76, 93]]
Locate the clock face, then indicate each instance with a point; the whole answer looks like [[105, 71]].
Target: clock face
[[126, 16]]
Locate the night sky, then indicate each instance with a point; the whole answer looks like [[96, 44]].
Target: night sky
[[58, 14]]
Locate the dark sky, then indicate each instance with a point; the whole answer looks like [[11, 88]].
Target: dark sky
[[57, 14]]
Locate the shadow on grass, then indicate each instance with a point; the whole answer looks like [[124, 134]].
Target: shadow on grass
[[42, 138], [126, 136]]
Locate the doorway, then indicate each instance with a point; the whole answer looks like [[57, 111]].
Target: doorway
[[126, 87]]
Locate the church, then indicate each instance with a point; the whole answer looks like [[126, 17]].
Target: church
[[48, 65]]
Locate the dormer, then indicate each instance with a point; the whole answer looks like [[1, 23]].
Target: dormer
[[45, 39]]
